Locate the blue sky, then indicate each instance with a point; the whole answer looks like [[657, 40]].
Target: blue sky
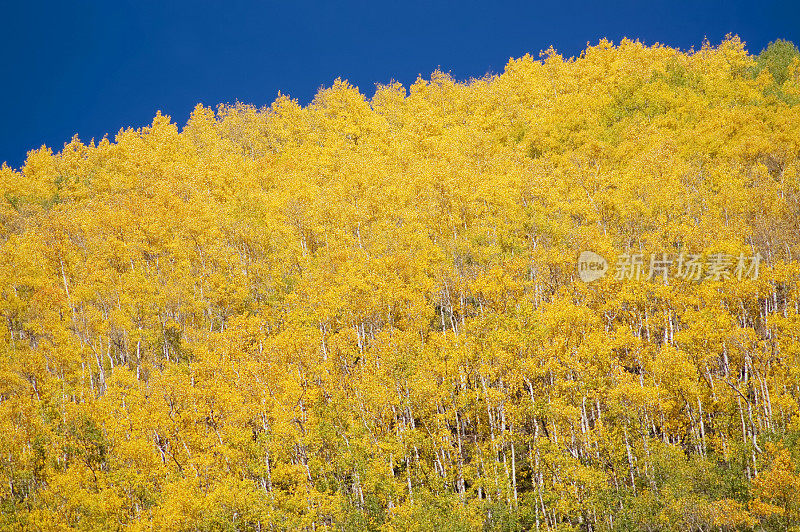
[[92, 68]]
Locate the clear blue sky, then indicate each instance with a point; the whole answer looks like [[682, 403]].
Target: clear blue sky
[[92, 68]]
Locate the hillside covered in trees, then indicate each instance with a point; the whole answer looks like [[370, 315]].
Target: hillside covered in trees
[[365, 314]]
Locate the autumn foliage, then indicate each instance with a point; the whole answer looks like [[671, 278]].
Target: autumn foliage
[[365, 313]]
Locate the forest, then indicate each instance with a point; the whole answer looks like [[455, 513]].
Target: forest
[[365, 313]]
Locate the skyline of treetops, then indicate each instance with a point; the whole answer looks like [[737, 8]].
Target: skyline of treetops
[[371, 314]]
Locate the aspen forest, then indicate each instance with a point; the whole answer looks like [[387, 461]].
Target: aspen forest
[[365, 313]]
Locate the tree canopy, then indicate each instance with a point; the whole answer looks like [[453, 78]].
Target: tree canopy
[[365, 313]]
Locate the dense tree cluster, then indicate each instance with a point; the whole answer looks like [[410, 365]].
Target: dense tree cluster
[[365, 313]]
